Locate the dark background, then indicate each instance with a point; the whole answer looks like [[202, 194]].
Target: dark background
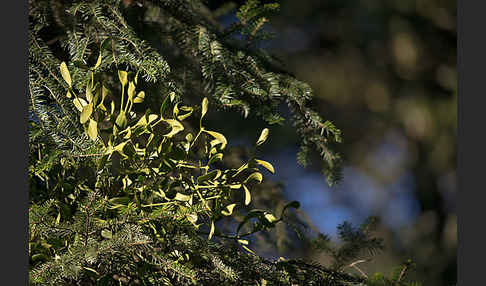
[[384, 71]]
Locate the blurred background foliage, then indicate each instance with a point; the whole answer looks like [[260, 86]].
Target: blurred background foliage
[[384, 71]]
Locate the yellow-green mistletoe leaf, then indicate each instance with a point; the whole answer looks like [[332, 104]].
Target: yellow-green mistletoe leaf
[[218, 136], [176, 127], [247, 249], [65, 74], [242, 241], [152, 118], [142, 121], [182, 197], [129, 133], [122, 75], [188, 111], [270, 217], [112, 108], [119, 148], [213, 175], [211, 232], [92, 129], [229, 210], [79, 103], [192, 218], [106, 234], [266, 165], [121, 120], [126, 182], [247, 195], [89, 93], [255, 176], [263, 137], [131, 90], [86, 113], [104, 93], [58, 218], [139, 98], [175, 110], [204, 107], [98, 61]]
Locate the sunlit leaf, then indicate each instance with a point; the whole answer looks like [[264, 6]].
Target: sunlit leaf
[[93, 129], [131, 91], [263, 137], [119, 148], [86, 113], [255, 176], [91, 270], [266, 165], [189, 137], [204, 107], [112, 107], [192, 218], [121, 120], [242, 241], [220, 137], [126, 182], [128, 134], [175, 110], [270, 217], [89, 93], [182, 197], [215, 158], [247, 249], [65, 74], [79, 103], [247, 195], [213, 175], [106, 234], [122, 75], [213, 151], [104, 93], [140, 97], [211, 232], [214, 142], [229, 210], [98, 61], [188, 111], [152, 118], [176, 127], [58, 218]]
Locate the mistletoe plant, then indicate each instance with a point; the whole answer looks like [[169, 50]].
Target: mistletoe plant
[[166, 173]]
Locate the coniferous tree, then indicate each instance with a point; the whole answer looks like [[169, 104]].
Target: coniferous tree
[[128, 183]]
